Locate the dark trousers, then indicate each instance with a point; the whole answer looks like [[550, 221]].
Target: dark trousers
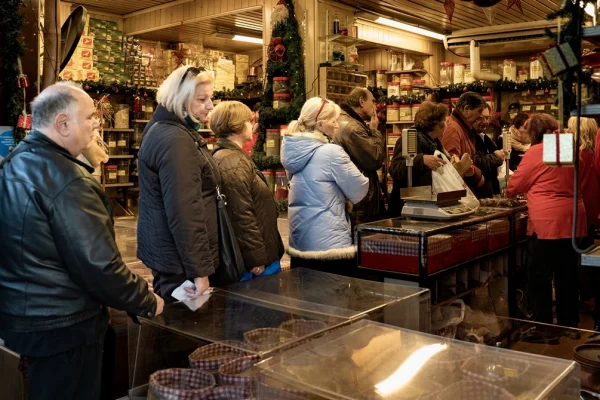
[[554, 259], [65, 363], [345, 267], [164, 284]]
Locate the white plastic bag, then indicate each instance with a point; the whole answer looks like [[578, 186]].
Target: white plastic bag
[[447, 179]]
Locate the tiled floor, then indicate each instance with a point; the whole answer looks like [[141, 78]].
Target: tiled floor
[[126, 231]]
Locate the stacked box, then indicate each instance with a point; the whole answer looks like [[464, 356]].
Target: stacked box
[[82, 65], [109, 51]]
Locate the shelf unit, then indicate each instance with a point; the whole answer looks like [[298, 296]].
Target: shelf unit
[[408, 71], [117, 130], [337, 83], [122, 156], [140, 121], [400, 123]]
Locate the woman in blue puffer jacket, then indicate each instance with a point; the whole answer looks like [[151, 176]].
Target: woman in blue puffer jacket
[[322, 177]]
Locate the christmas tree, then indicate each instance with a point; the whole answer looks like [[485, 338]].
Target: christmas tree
[[285, 58]]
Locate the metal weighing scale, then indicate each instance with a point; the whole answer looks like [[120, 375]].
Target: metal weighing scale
[[421, 203]]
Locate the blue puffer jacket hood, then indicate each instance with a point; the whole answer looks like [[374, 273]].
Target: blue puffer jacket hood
[[322, 177]]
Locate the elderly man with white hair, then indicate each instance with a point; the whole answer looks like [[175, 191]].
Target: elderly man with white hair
[[60, 266]]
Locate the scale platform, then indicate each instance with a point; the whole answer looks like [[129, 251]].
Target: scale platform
[[420, 203]]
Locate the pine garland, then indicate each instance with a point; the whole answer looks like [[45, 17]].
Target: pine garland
[[102, 87], [501, 86], [292, 66], [12, 48], [249, 89]]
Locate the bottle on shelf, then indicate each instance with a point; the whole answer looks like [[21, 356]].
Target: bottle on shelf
[[336, 25], [149, 108]]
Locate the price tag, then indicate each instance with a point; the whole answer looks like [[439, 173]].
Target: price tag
[[270, 143], [540, 108], [526, 108], [539, 92], [524, 94], [554, 91], [122, 143], [112, 144], [122, 172], [112, 175], [553, 107]]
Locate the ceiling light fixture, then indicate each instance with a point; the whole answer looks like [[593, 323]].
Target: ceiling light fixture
[[249, 39], [409, 28]]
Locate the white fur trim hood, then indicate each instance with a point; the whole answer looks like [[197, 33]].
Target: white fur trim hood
[[332, 254], [311, 135]]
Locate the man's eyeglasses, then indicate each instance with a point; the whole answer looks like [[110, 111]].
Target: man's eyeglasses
[[323, 102], [193, 70]]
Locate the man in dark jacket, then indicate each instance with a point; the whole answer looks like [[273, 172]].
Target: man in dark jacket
[[488, 158], [366, 148], [177, 224], [60, 265]]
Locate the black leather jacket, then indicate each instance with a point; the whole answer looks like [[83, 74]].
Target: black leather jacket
[[59, 262]]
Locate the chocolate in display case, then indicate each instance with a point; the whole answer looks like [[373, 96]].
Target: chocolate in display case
[[368, 360], [341, 297], [234, 324]]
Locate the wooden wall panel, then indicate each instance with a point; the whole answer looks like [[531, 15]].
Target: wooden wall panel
[[66, 8]]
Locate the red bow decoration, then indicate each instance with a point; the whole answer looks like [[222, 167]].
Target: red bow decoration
[[449, 7], [517, 3]]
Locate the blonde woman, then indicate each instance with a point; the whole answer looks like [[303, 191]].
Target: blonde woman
[[322, 177], [177, 226], [250, 204]]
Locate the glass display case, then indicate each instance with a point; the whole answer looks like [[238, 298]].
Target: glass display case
[[243, 325], [448, 257], [368, 360], [340, 296]]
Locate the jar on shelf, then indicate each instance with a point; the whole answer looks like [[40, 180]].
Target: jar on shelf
[[110, 174], [458, 73], [406, 80], [405, 112], [270, 178], [393, 89], [281, 186], [272, 144], [418, 87], [393, 139], [406, 90], [509, 70], [393, 113], [469, 75], [535, 68], [111, 141], [281, 100], [138, 130], [122, 116], [446, 77], [281, 84], [381, 79], [123, 171], [123, 143], [415, 109], [523, 75]]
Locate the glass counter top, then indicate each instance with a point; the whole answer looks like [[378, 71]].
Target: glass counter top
[[329, 294], [368, 360], [241, 322], [412, 226]]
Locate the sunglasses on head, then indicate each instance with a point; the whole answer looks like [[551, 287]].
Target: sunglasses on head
[[193, 70]]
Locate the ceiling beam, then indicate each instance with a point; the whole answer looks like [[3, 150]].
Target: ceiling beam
[[156, 8], [194, 20]]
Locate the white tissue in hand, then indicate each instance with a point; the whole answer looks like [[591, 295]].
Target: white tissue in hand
[[198, 301], [181, 294]]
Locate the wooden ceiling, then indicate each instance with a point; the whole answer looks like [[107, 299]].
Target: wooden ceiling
[[119, 7], [431, 13], [247, 23]]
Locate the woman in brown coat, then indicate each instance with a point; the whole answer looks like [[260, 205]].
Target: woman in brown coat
[[250, 202]]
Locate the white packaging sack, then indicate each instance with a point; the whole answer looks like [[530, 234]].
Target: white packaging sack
[[447, 179]]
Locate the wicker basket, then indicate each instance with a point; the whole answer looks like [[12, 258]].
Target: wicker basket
[[264, 339], [473, 390], [303, 327], [180, 384], [210, 358], [237, 372]]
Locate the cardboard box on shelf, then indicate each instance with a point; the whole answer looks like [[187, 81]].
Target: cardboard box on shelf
[[93, 75], [101, 45], [86, 42], [73, 62], [84, 54]]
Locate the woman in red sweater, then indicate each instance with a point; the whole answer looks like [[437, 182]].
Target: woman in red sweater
[[550, 202]]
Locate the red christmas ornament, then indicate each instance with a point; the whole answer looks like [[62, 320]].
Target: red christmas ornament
[[489, 90], [517, 3], [87, 87], [145, 94], [465, 89], [449, 7], [546, 90], [528, 93], [116, 91]]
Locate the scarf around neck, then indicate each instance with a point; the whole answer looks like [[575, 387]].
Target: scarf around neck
[[519, 140]]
